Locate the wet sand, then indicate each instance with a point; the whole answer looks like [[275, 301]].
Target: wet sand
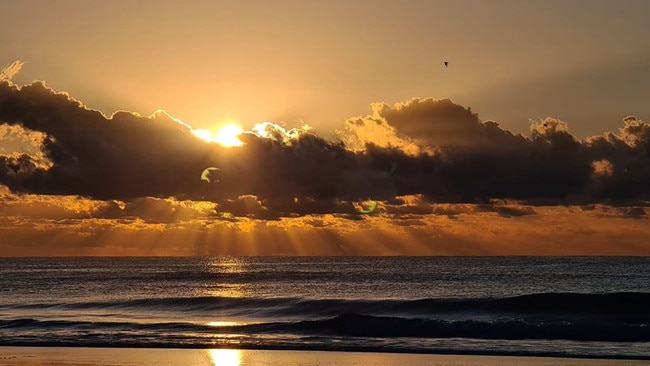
[[73, 356]]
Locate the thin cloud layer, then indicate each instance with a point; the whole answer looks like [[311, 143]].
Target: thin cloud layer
[[10, 71], [41, 225]]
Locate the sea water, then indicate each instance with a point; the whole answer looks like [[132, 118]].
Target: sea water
[[549, 306]]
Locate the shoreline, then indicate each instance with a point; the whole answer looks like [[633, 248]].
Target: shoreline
[[340, 349], [123, 356]]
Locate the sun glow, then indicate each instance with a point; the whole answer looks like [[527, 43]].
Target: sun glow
[[227, 136], [222, 323]]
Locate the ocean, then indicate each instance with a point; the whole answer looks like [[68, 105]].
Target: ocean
[[538, 306]]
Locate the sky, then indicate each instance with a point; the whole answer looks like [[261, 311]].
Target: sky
[[353, 137]]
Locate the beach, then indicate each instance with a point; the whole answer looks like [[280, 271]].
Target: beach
[[82, 356]]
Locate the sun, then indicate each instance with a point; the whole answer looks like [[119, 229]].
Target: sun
[[226, 136]]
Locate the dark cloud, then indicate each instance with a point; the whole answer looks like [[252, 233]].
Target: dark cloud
[[155, 210], [478, 161], [624, 161], [634, 212], [246, 205], [21, 171], [122, 156], [507, 210], [629, 212], [433, 149], [443, 124]]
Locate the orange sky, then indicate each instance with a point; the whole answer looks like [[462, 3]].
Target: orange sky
[[585, 62], [61, 226], [531, 142]]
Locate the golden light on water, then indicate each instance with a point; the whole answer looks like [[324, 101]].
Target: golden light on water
[[228, 265], [224, 265], [220, 323], [225, 357]]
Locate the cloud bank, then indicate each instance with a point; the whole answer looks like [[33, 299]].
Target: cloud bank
[[444, 181], [45, 225], [432, 147]]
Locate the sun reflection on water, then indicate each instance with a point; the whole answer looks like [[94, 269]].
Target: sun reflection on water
[[225, 357], [221, 323], [226, 271], [231, 265]]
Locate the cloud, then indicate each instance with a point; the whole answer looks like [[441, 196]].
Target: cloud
[[602, 168], [21, 171], [410, 225], [246, 205], [16, 141], [278, 133], [477, 160], [628, 212], [10, 71], [429, 148], [77, 182], [508, 209], [441, 123], [627, 168], [170, 210], [373, 130], [55, 207], [125, 155]]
